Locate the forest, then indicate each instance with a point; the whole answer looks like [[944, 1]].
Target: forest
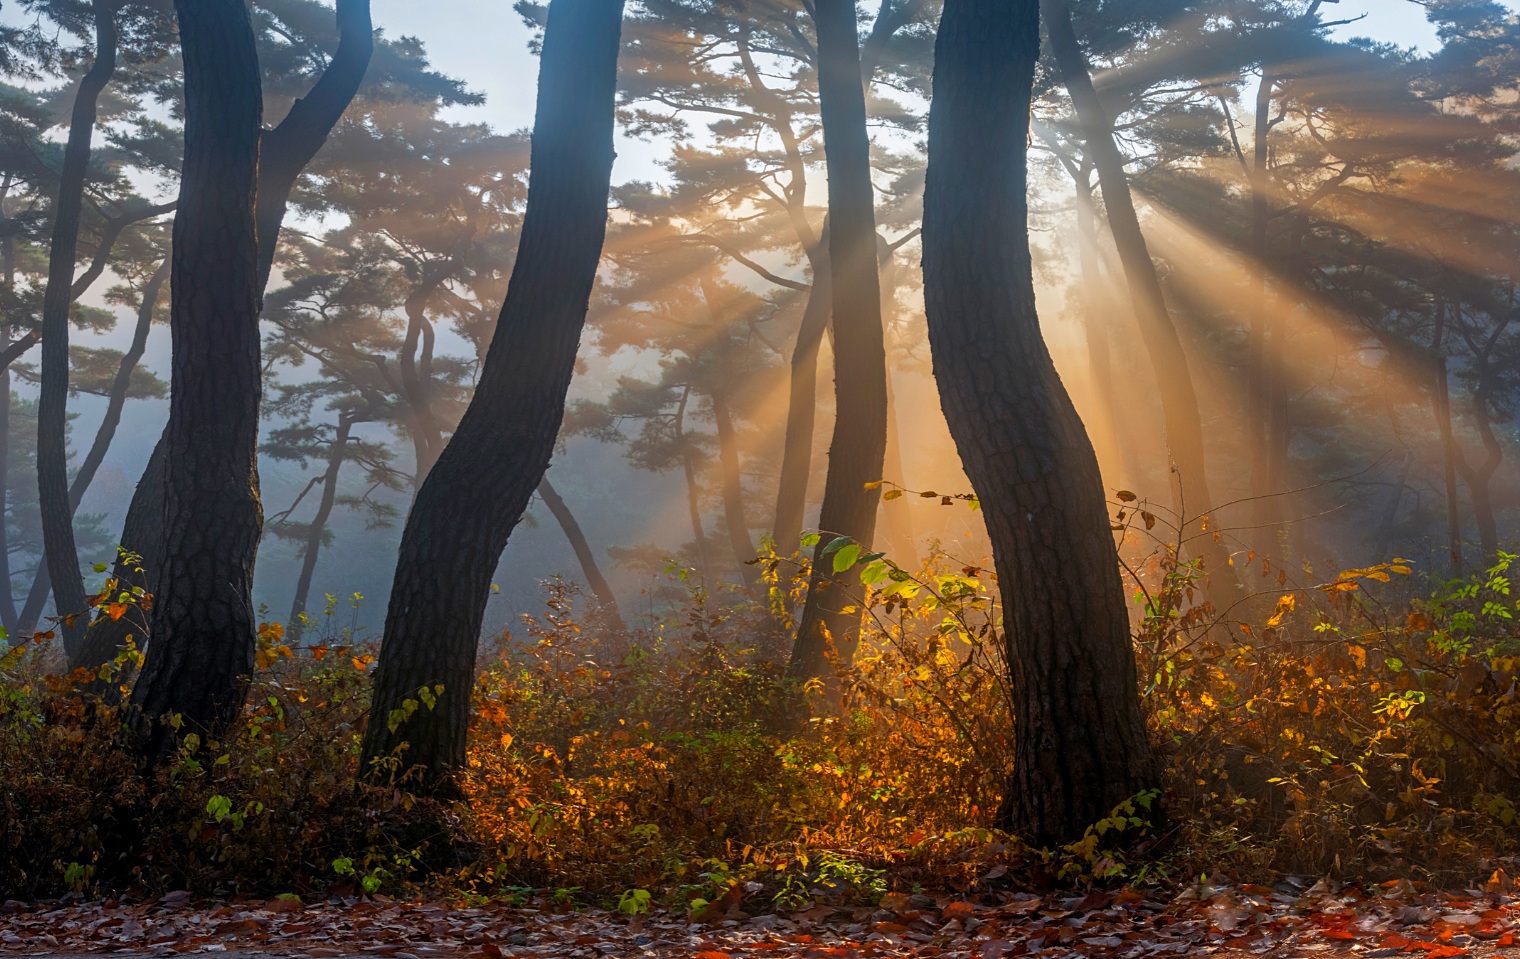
[[818, 478]]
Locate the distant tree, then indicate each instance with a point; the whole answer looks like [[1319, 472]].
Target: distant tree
[[1083, 747], [482, 482], [858, 450]]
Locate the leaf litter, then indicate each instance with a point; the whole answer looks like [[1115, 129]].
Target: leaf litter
[[1291, 919]]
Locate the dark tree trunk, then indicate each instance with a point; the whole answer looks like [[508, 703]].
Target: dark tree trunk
[[61, 554], [802, 406], [104, 435], [693, 490], [201, 657], [7, 594], [606, 601], [1179, 399], [481, 484], [142, 542], [858, 448], [1081, 745], [284, 152], [296, 626]]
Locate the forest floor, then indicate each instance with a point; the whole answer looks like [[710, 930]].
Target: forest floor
[[1282, 922]]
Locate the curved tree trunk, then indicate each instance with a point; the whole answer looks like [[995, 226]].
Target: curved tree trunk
[[283, 153], [142, 538], [858, 448], [481, 484], [201, 657], [1081, 746], [802, 406], [105, 434], [1179, 399], [290, 146], [296, 626], [61, 554], [601, 590]]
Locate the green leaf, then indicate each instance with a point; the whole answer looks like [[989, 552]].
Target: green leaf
[[846, 557]]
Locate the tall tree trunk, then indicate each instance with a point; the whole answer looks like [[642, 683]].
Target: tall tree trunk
[[802, 405], [1259, 373], [201, 657], [7, 592], [1179, 399], [606, 600], [1081, 745], [116, 401], [482, 482], [693, 489], [283, 152], [1440, 407], [1479, 478], [730, 474], [61, 554], [858, 448], [336, 453], [1096, 332], [897, 521], [417, 378]]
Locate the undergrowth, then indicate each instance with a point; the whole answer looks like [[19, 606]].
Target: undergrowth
[[1367, 727]]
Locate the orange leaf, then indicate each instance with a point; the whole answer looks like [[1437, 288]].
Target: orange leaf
[[116, 611]]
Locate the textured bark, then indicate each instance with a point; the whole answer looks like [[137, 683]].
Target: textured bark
[[802, 406], [482, 482], [116, 401], [291, 145], [1179, 399], [142, 539], [284, 152], [606, 601], [62, 556], [335, 455], [858, 448], [201, 656], [1080, 737]]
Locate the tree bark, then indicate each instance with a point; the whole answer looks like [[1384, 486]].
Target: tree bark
[[336, 453], [1080, 746], [481, 484], [283, 153], [61, 554], [858, 448], [1179, 399], [201, 657], [601, 590], [802, 406]]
